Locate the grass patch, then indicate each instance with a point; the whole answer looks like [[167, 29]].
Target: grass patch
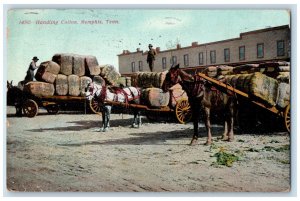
[[226, 159]]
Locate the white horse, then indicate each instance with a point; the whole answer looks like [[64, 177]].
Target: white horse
[[122, 95]]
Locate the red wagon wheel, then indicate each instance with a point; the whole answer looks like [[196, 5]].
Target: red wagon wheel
[[30, 108], [95, 106], [183, 111], [287, 118]]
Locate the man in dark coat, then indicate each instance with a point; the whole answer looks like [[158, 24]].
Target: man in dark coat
[[30, 72], [151, 57]]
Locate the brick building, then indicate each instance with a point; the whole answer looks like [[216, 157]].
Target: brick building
[[251, 47]]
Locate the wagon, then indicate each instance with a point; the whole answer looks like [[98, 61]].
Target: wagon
[[285, 113], [31, 104], [181, 110], [52, 104]]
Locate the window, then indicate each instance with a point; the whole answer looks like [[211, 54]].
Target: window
[[140, 66], [173, 60], [200, 58], [213, 56], [280, 48], [260, 50], [242, 53], [133, 66], [164, 62], [186, 59], [227, 55]]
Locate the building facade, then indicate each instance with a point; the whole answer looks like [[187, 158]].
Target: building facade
[[268, 44]]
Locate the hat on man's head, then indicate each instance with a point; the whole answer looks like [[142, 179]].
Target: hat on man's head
[[150, 45], [35, 58]]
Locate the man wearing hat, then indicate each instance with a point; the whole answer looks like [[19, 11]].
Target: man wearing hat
[[151, 57], [30, 72]]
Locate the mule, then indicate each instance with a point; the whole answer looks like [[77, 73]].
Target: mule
[[125, 95], [202, 95]]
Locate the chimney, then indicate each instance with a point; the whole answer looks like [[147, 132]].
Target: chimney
[[124, 51], [178, 46], [157, 49], [194, 44], [138, 49]]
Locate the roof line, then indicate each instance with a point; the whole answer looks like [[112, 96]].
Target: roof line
[[215, 42]]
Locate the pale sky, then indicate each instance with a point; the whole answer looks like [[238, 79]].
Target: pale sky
[[125, 29]]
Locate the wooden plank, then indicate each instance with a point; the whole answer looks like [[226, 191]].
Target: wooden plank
[[61, 97], [162, 109]]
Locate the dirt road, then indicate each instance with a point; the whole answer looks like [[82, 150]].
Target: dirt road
[[63, 153]]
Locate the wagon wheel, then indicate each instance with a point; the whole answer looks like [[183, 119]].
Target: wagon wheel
[[183, 111], [30, 108], [95, 106], [52, 109], [287, 118]]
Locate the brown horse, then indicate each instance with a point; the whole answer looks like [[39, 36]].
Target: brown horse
[[203, 95]]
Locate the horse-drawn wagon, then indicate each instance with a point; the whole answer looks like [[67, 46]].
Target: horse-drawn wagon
[[284, 112], [178, 106], [29, 103]]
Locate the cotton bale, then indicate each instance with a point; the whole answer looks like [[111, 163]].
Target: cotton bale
[[61, 85], [39, 88], [74, 85]]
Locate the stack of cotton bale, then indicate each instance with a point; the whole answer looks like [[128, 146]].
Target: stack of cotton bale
[[66, 74], [148, 79], [262, 88], [73, 77], [281, 72]]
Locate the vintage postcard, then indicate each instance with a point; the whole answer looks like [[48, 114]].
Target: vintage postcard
[[148, 100]]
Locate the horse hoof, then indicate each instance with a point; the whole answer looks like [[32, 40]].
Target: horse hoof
[[230, 140], [207, 143], [193, 142], [225, 138], [134, 126]]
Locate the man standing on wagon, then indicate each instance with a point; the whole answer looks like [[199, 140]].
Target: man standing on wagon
[[151, 57], [30, 72]]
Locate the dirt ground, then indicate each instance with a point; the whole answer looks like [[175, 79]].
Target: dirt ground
[[63, 152]]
